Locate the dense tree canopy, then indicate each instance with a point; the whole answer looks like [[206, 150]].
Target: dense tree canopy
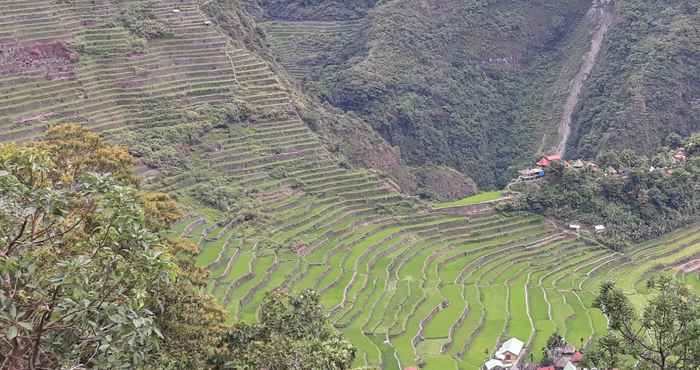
[[293, 333], [636, 197], [90, 280]]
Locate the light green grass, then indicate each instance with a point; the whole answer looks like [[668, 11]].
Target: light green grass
[[496, 303], [474, 199]]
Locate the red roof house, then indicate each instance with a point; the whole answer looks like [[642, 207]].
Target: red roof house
[[548, 159], [577, 357]]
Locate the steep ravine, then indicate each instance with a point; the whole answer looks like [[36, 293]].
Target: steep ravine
[[601, 17]]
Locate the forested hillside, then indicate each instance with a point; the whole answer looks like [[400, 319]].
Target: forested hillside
[[448, 82], [465, 83], [647, 81]]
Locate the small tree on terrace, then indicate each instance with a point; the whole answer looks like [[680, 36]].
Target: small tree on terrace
[[553, 342], [293, 333]]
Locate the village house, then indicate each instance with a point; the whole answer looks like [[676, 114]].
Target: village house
[[680, 156], [547, 160], [494, 364], [507, 355], [577, 164], [510, 351], [562, 357], [565, 357], [531, 174]]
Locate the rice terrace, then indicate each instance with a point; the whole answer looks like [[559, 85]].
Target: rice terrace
[[217, 118], [434, 289]]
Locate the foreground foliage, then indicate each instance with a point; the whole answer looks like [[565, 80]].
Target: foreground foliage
[[665, 336], [86, 279], [89, 279], [293, 333]]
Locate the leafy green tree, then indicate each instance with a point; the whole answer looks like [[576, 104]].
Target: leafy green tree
[[604, 353], [86, 280], [293, 333], [666, 336], [692, 144], [553, 342]]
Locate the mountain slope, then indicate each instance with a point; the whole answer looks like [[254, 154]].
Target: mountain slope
[[465, 84], [449, 82], [273, 200], [646, 81]]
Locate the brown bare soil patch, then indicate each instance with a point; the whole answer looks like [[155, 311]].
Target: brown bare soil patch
[[689, 266], [54, 59], [302, 249]]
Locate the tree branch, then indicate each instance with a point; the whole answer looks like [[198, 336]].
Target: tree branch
[[40, 329], [14, 241]]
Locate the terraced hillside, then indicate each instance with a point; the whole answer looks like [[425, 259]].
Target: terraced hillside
[[432, 288], [303, 46], [271, 207]]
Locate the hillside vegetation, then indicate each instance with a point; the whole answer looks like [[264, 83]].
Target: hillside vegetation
[[635, 197], [481, 86], [445, 81], [283, 192], [647, 81]]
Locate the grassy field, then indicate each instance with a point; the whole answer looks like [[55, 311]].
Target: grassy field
[[474, 199]]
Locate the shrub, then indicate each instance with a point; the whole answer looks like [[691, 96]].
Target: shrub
[[140, 20]]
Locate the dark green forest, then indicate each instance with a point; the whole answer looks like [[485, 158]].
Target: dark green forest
[[476, 85], [647, 81], [634, 196], [446, 84]]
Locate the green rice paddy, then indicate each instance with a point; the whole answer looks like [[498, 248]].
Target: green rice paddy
[[442, 291]]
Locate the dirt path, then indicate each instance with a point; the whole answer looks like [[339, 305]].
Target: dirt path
[[600, 15]]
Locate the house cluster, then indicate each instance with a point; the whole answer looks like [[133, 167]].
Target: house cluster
[[678, 157], [507, 355], [564, 357], [535, 173], [510, 353], [546, 161]]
